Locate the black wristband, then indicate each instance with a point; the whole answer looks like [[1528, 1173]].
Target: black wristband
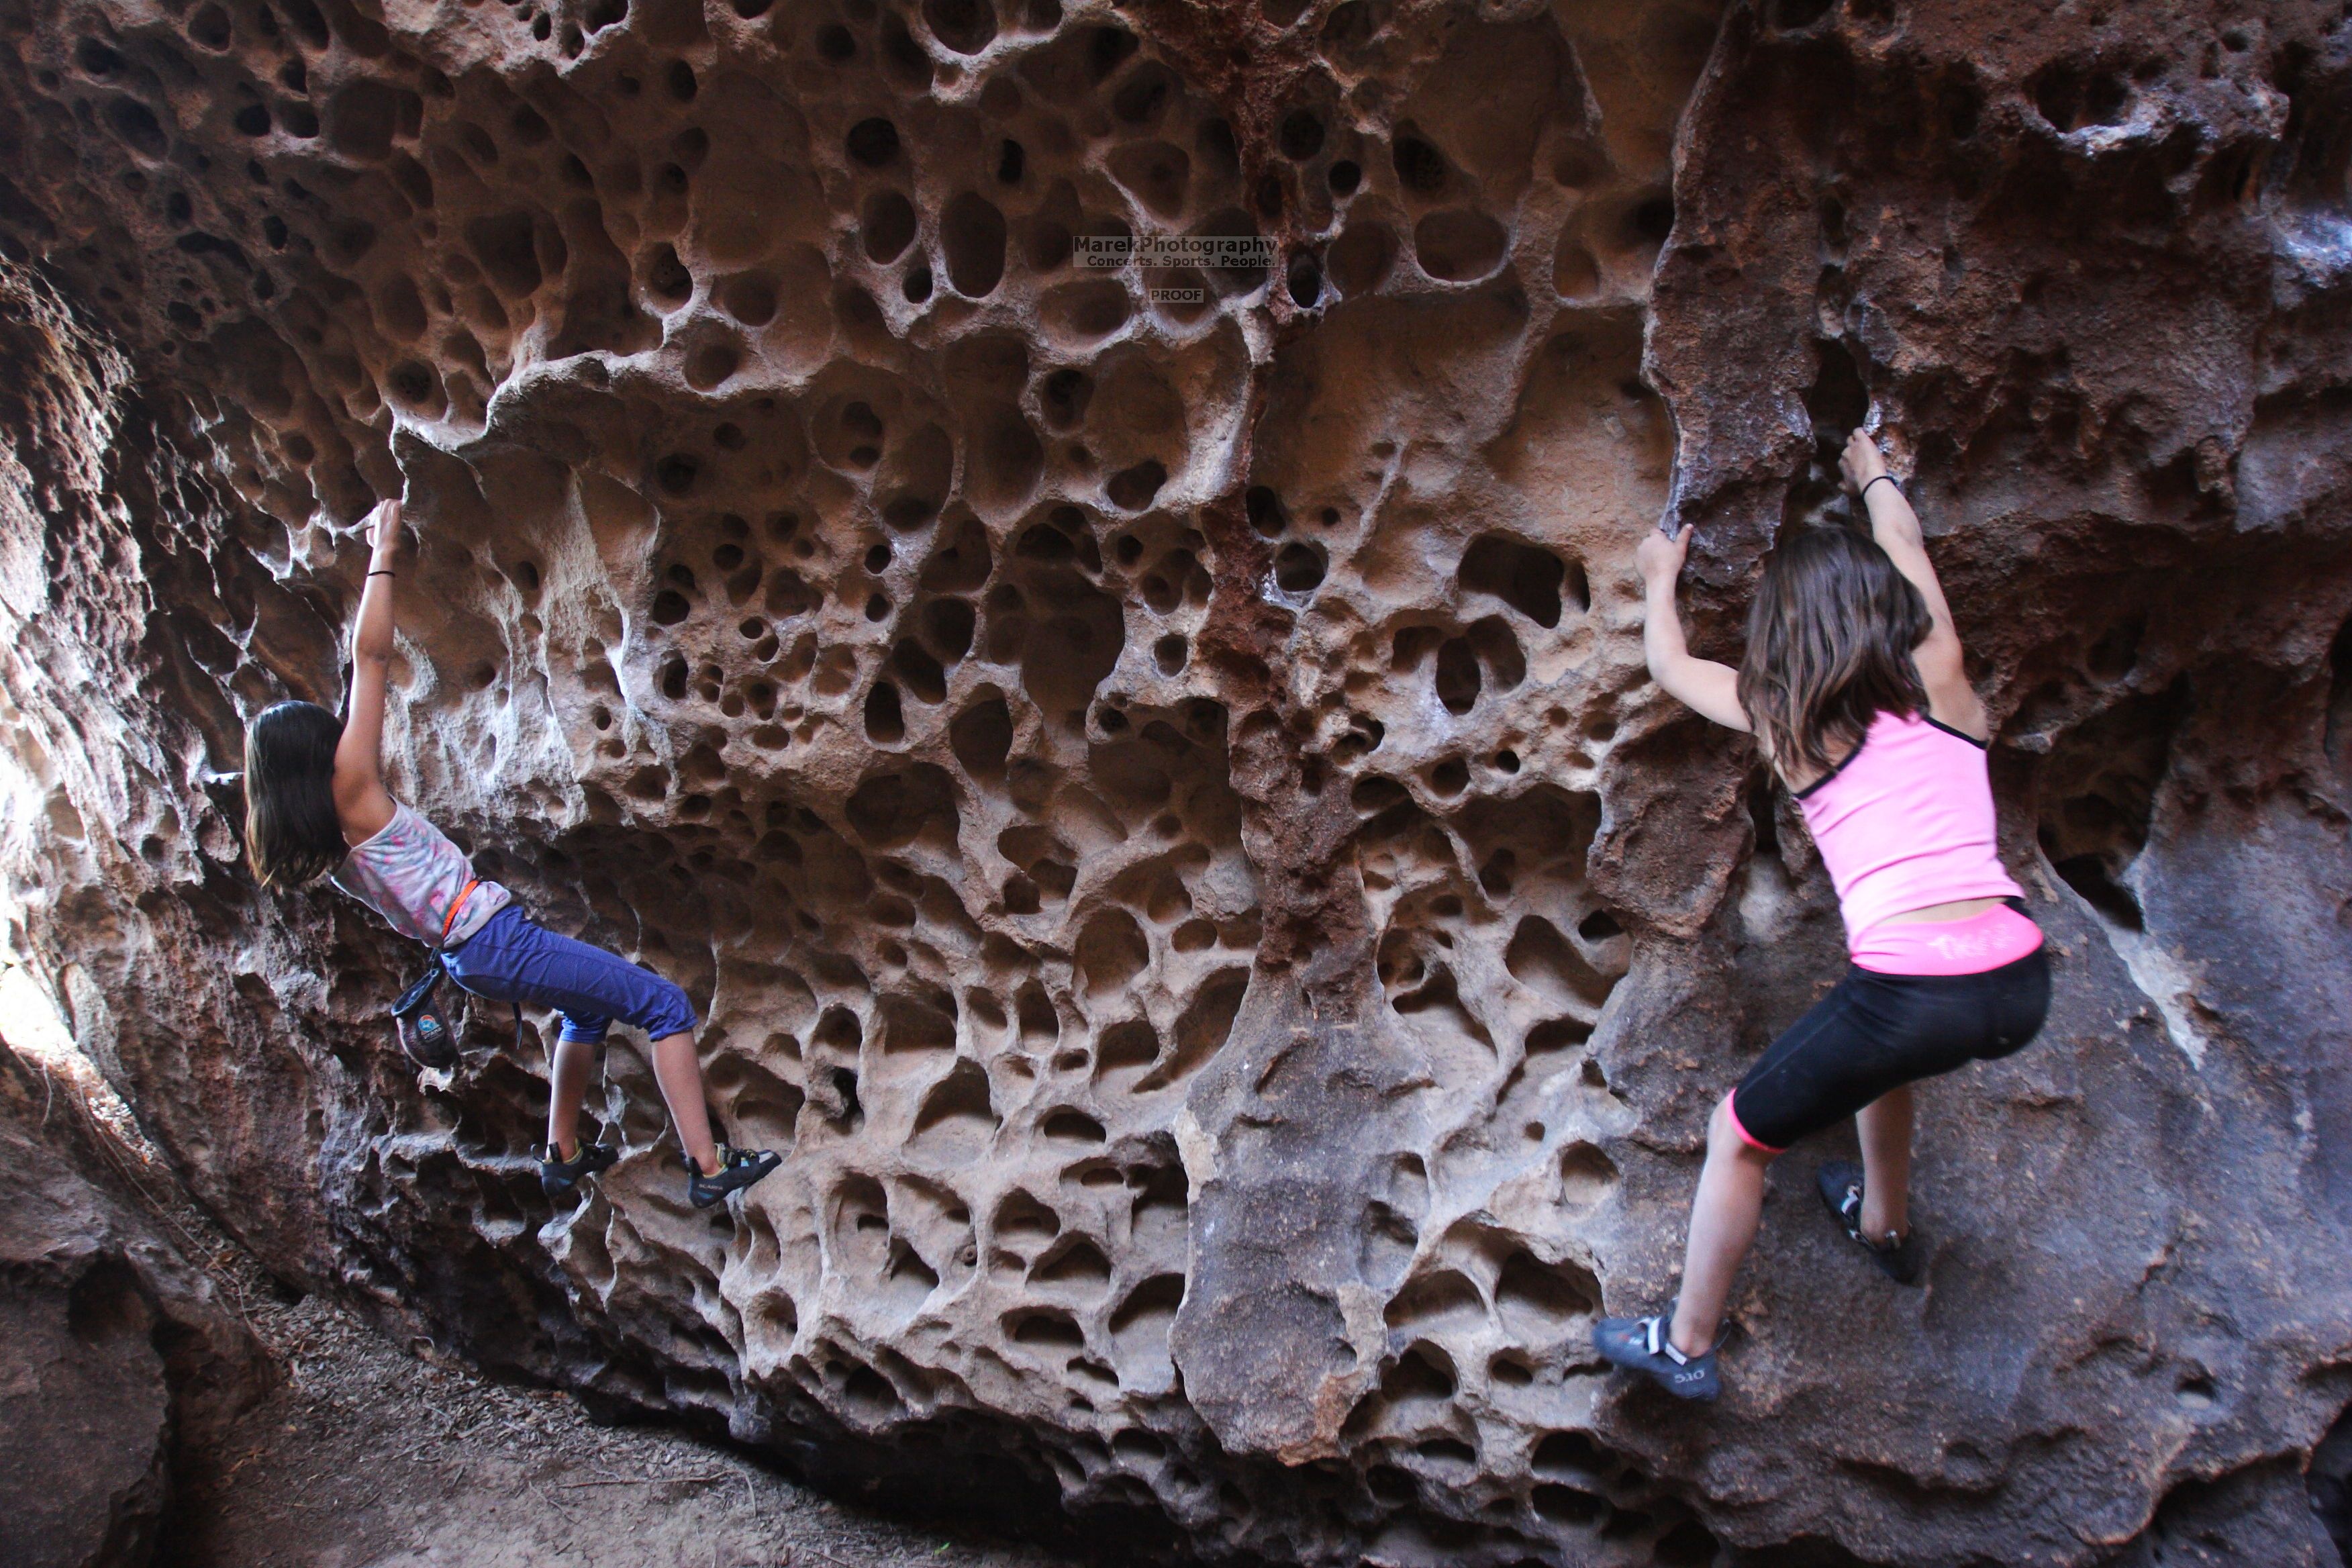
[[384, 574], [1888, 478]]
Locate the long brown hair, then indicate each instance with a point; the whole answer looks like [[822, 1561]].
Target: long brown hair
[[292, 835], [1829, 647]]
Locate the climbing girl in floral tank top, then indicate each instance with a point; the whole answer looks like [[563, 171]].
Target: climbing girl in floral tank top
[[1852, 685], [316, 806]]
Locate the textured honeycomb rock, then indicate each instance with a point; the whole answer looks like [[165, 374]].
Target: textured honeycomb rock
[[1148, 772]]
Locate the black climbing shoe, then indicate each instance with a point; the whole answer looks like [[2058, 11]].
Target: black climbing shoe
[[558, 1175], [1841, 1193], [1640, 1344], [738, 1169]]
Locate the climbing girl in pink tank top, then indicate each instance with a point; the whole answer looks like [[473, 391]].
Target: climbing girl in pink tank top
[[1852, 685]]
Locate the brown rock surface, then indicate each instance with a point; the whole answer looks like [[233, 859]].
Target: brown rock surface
[[1157, 792], [113, 1350]]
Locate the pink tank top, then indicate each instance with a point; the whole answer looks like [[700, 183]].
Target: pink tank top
[[1905, 822]]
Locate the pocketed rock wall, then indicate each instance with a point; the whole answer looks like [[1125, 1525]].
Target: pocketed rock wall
[[1150, 774]]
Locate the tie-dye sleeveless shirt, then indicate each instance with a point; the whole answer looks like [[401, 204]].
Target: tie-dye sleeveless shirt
[[409, 872]]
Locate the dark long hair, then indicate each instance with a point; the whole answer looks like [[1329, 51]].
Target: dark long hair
[[1829, 647], [291, 833]]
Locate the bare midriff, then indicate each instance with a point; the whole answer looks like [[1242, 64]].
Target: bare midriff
[[1959, 909]]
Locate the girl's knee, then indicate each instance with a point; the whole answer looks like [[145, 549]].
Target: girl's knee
[[1727, 1139], [669, 1010]]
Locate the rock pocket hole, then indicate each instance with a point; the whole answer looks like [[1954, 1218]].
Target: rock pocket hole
[[1069, 1126], [210, 27], [971, 235], [981, 738], [1527, 577], [1554, 1037], [2070, 97], [924, 676], [1298, 568], [1650, 222], [667, 277], [1132, 489], [1567, 1505], [965, 26], [956, 1115], [1140, 1325], [872, 142], [1451, 1456], [750, 298], [1078, 1267], [886, 226], [1457, 676], [885, 725], [711, 365], [1586, 1175], [1044, 1327], [948, 626], [1305, 281], [1419, 166], [1536, 1300], [1460, 245], [1300, 135], [1795, 16], [1266, 512], [1061, 399]]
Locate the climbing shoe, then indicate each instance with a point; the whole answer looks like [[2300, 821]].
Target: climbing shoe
[[1640, 1344], [738, 1169], [558, 1175], [1841, 1185]]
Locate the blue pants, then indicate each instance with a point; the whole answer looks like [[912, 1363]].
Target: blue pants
[[515, 959]]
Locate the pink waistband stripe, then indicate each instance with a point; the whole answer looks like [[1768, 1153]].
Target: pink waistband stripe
[[1731, 1109], [1971, 946]]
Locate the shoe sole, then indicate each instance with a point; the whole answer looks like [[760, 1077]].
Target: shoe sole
[[558, 1187], [724, 1193], [1643, 1367]]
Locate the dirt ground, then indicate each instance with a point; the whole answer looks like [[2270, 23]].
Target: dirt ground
[[366, 1456], [369, 1457]]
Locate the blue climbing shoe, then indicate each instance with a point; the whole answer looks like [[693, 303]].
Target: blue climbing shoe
[[1640, 1344]]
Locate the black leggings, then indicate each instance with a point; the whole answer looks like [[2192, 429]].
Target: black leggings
[[1878, 1032]]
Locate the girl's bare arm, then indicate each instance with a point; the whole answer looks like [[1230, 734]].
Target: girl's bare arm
[[1897, 528], [1702, 684], [361, 804]]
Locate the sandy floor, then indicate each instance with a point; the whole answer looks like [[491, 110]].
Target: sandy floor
[[368, 1457]]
